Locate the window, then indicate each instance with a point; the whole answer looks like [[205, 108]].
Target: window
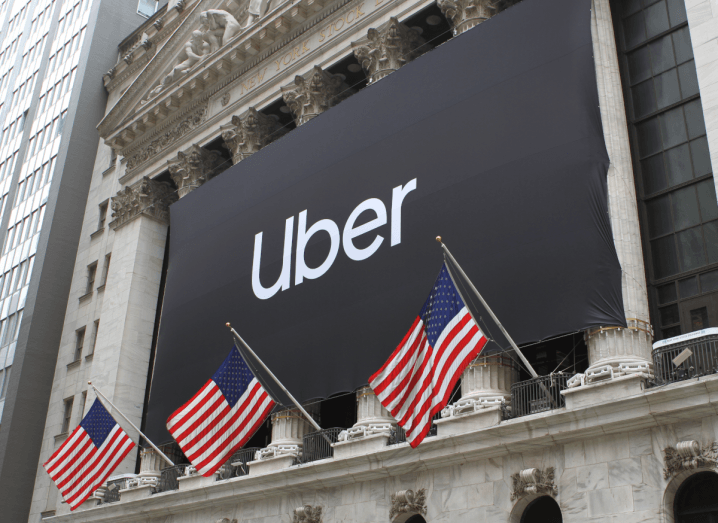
[[4, 381], [106, 269], [95, 328], [147, 8], [79, 342], [91, 273], [67, 415], [103, 214], [84, 404]]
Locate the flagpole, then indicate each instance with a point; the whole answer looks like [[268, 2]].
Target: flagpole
[[102, 396], [488, 309], [271, 374]]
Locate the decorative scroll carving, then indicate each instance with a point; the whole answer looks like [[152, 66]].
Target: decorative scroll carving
[[533, 481], [308, 514], [312, 95], [170, 136], [193, 167], [386, 49], [248, 133], [689, 455], [148, 197], [465, 14], [408, 502]]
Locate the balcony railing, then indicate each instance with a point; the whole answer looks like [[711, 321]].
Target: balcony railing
[[398, 434], [703, 361], [317, 445], [538, 394], [169, 478], [240, 459]]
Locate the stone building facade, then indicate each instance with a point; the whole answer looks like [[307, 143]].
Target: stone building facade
[[206, 83]]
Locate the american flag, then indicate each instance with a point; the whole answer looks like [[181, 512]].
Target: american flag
[[222, 416], [88, 456], [417, 380]]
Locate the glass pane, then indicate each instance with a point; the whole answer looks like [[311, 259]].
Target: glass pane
[[654, 176], [669, 315], [694, 117], [690, 249], [661, 54], [707, 199], [710, 230], [665, 259], [659, 216], [709, 281], [656, 19], [631, 6], [701, 157], [688, 287], [673, 127], [682, 45], [671, 332], [678, 165], [639, 65], [649, 137], [634, 30], [667, 90], [699, 319], [677, 12], [644, 98], [685, 208], [667, 293], [689, 80]]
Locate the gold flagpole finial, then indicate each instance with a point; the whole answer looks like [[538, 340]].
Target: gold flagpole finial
[[438, 239], [228, 325]]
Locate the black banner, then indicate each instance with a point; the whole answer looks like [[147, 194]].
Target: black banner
[[320, 248]]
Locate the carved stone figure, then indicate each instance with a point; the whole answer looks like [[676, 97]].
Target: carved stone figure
[[388, 48], [192, 53], [218, 28], [148, 197], [249, 133], [533, 481], [689, 455], [408, 502], [193, 167], [312, 95], [465, 14], [307, 514]]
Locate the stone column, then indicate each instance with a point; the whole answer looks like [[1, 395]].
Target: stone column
[[465, 14], [621, 349], [193, 167], [370, 411], [129, 305], [151, 465], [314, 93], [489, 378], [387, 48], [248, 133]]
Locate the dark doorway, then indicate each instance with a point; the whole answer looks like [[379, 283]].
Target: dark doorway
[[416, 519], [696, 500], [542, 510]]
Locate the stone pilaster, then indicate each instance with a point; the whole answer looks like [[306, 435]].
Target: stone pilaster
[[489, 378], [289, 427], [314, 93], [193, 167], [465, 14], [387, 48], [248, 133], [151, 464], [613, 350], [146, 197], [370, 411]]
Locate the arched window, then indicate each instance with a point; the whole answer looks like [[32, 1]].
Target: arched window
[[416, 519], [542, 510], [696, 499]]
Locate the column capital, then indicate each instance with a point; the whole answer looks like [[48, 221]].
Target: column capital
[[387, 48], [192, 167], [249, 133], [465, 14], [314, 93], [146, 197]]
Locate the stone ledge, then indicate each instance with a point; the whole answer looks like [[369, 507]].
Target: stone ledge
[[97, 233], [602, 392], [85, 297], [74, 364], [196, 481], [471, 422], [269, 465], [134, 493], [360, 446]]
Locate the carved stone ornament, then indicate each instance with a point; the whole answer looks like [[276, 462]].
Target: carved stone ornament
[[248, 133], [159, 23], [308, 514], [225, 99], [533, 481], [688, 455], [465, 14], [128, 58], [177, 4], [386, 49], [156, 146], [148, 197], [193, 167], [310, 96], [408, 502], [226, 520]]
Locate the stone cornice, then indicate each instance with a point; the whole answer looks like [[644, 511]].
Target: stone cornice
[[688, 400]]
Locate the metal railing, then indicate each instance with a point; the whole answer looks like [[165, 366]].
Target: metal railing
[[317, 445], [704, 360], [239, 461], [112, 493], [538, 394], [398, 434], [169, 478]]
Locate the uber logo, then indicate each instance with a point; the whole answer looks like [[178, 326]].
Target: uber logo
[[346, 239]]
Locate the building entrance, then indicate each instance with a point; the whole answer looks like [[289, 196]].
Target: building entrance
[[696, 500], [542, 510]]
